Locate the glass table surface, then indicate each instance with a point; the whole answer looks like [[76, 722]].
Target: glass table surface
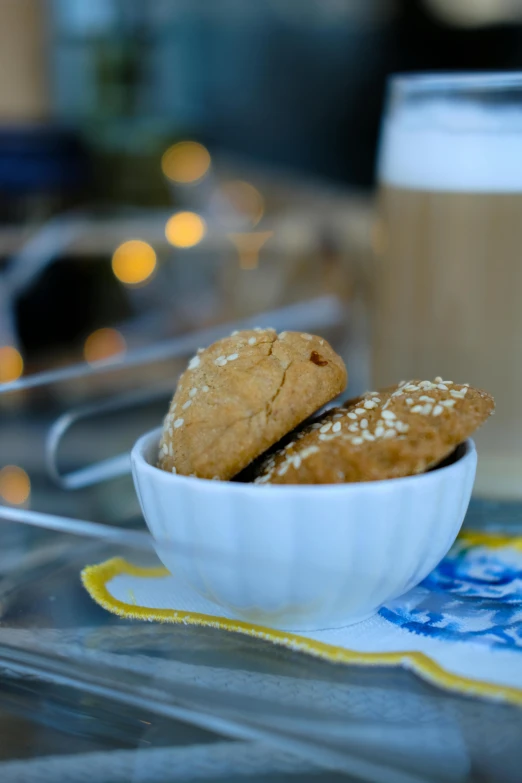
[[81, 689]]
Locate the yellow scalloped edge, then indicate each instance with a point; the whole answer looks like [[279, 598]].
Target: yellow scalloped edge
[[96, 577]]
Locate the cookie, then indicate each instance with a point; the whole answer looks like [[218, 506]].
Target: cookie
[[399, 431], [241, 395]]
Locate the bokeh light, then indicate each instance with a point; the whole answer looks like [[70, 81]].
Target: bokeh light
[[103, 345], [248, 246], [185, 229], [11, 364], [245, 199], [15, 485], [185, 162], [474, 13], [133, 262]]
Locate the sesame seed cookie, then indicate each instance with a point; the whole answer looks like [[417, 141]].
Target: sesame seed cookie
[[241, 395], [396, 432]]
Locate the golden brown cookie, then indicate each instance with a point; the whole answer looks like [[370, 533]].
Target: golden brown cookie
[[398, 431], [241, 395]]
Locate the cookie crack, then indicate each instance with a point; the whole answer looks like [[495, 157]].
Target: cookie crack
[[271, 402]]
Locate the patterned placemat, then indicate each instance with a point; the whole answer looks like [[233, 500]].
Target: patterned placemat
[[460, 629]]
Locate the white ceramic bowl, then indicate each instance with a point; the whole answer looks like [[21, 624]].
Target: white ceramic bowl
[[302, 557]]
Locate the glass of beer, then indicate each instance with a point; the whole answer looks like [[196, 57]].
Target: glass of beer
[[448, 244]]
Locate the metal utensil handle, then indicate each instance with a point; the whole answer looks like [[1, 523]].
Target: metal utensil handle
[[105, 469], [321, 312], [137, 539]]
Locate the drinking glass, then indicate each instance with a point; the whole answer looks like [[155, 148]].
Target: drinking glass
[[448, 283]]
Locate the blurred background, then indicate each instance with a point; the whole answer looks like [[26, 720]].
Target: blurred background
[[169, 171], [175, 165]]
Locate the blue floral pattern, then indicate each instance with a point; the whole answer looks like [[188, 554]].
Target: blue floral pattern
[[474, 594]]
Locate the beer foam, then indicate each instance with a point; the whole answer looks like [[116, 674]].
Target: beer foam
[[449, 146]]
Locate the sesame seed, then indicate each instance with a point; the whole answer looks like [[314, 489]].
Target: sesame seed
[[351, 415], [205, 388], [336, 427], [437, 410], [282, 470], [232, 357], [409, 401], [297, 462], [171, 450], [438, 379], [379, 431], [186, 405], [309, 451], [258, 329], [165, 449], [376, 399], [368, 436], [358, 411], [193, 392], [364, 424], [316, 426], [411, 387], [388, 415], [369, 404], [178, 423], [170, 431], [194, 362], [442, 387], [390, 434], [220, 361], [448, 403], [353, 427], [307, 337], [427, 409], [252, 341], [464, 384], [173, 469], [424, 398], [417, 409], [400, 426], [357, 441], [325, 427], [338, 415], [282, 335], [459, 394]]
